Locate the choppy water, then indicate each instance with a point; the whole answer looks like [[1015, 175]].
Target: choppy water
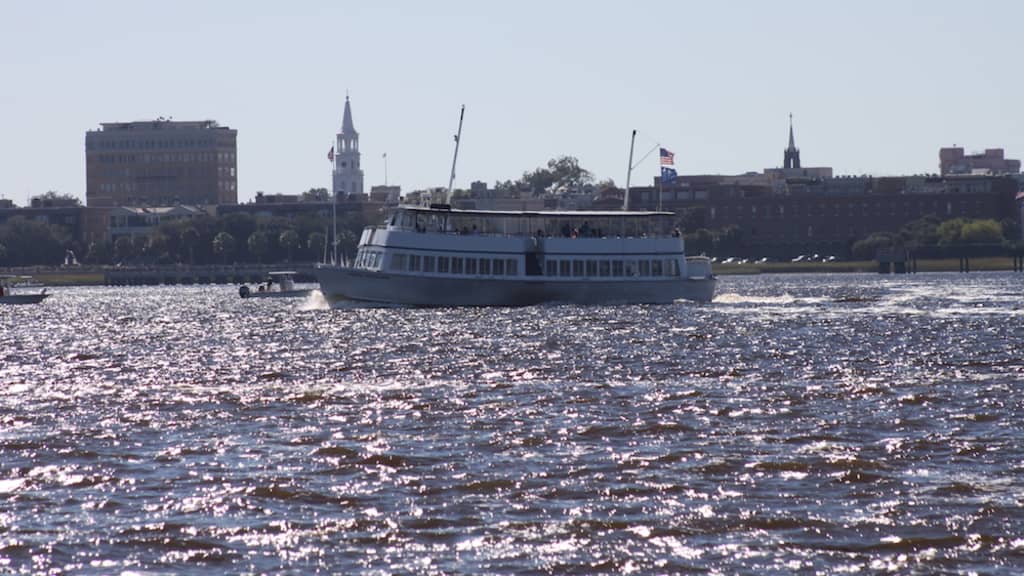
[[798, 424]]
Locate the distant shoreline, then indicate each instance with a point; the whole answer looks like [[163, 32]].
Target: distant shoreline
[[88, 276]]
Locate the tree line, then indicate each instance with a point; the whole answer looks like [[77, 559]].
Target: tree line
[[928, 236], [232, 238]]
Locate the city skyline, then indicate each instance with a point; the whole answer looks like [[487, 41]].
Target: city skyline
[[873, 88]]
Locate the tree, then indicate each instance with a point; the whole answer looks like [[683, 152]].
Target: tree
[[562, 173], [289, 240], [190, 239], [981, 232], [123, 248], [156, 246], [258, 244], [99, 253], [316, 242], [868, 248], [701, 241], [54, 198], [316, 195], [224, 244], [31, 242]]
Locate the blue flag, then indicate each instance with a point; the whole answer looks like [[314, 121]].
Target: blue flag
[[668, 175]]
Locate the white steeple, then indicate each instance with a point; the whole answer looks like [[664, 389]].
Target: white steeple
[[348, 176]]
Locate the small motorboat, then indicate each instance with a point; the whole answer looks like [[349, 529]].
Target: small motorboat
[[10, 292], [277, 285]]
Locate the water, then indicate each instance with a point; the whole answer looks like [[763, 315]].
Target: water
[[798, 424]]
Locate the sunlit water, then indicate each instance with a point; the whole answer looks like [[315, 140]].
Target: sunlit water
[[803, 423]]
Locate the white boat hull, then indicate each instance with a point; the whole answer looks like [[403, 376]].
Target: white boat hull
[[344, 283], [278, 294], [23, 298]]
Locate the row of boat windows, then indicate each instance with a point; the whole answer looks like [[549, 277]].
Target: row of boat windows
[[510, 266], [614, 268]]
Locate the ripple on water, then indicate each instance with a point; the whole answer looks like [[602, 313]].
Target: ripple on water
[[797, 423]]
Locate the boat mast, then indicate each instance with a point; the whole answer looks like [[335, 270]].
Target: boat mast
[[629, 172], [458, 137]]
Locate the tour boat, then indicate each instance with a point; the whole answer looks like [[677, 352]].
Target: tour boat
[[280, 284], [10, 295], [439, 256]]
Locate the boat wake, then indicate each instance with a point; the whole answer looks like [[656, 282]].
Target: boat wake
[[732, 298], [315, 301]]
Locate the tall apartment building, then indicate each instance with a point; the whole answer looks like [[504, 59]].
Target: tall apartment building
[[161, 163]]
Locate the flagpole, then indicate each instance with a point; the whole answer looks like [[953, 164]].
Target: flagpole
[[334, 217], [385, 168]]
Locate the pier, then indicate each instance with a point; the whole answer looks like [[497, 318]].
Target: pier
[[228, 274]]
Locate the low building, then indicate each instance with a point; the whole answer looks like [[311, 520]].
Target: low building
[[142, 221], [828, 216], [991, 161]]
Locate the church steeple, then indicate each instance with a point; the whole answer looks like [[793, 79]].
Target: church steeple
[[348, 128], [791, 157], [348, 176]]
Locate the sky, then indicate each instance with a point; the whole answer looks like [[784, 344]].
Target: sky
[[875, 87]]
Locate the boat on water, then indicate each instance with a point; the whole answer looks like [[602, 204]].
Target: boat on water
[[11, 291], [279, 284], [439, 256]]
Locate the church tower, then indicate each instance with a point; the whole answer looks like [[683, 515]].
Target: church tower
[[791, 157], [348, 176]]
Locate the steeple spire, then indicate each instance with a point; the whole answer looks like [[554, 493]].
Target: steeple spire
[[792, 145], [347, 127], [791, 156]]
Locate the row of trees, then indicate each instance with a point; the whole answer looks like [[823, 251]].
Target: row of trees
[[929, 234], [202, 240]]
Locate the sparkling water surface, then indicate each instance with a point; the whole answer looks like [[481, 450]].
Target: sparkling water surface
[[797, 424]]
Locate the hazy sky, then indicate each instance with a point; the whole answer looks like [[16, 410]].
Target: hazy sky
[[874, 86]]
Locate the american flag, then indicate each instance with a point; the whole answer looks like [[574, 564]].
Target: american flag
[[330, 155], [667, 158]]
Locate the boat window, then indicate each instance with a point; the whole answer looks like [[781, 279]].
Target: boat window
[[398, 261], [603, 268], [645, 267], [442, 264], [563, 267], [428, 263], [414, 263], [376, 260], [498, 267], [630, 267], [616, 267], [456, 265], [511, 267], [591, 268], [656, 268], [577, 267], [551, 268], [470, 265], [485, 266], [673, 267]]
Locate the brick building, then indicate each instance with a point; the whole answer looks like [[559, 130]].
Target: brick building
[[161, 163]]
